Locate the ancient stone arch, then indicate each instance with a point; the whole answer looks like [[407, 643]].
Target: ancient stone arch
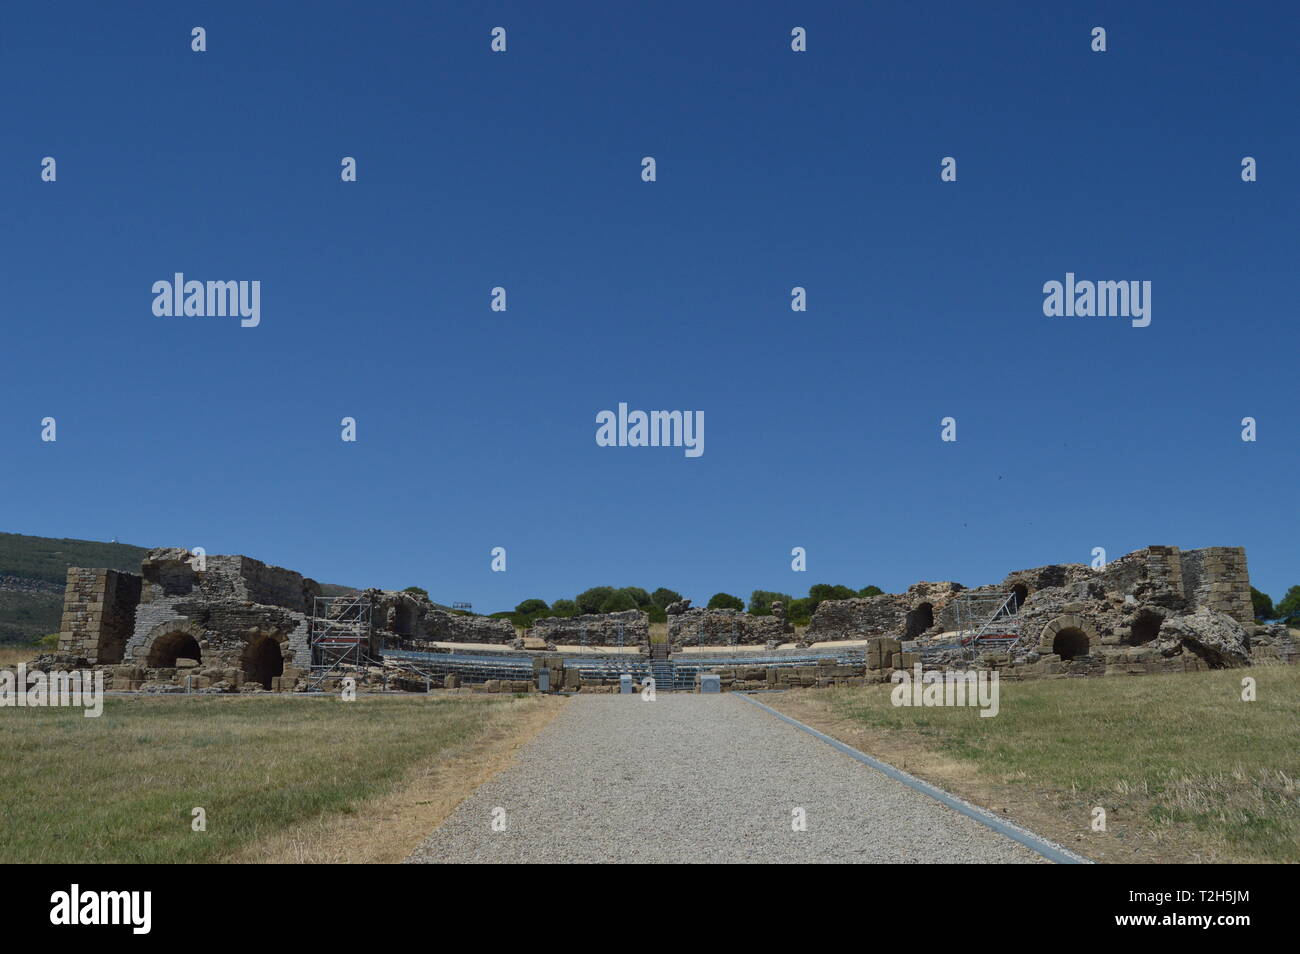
[[404, 618], [172, 640], [1069, 636], [1021, 593], [919, 620], [263, 656]]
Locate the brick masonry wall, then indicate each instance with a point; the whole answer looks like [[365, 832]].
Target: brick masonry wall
[[1217, 578], [99, 608], [222, 629]]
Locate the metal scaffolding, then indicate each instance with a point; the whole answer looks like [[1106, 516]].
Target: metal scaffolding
[[340, 634], [987, 621]]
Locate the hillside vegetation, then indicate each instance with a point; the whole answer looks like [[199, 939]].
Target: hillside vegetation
[[48, 558], [33, 571]]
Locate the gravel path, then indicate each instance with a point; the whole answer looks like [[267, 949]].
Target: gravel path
[[691, 778]]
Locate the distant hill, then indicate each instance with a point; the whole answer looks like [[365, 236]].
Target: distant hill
[[48, 558], [33, 571]]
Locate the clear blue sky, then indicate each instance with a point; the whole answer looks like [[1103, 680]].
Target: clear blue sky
[[775, 169]]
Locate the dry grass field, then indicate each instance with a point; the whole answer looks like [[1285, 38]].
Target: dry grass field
[[281, 778], [13, 655], [1185, 770]]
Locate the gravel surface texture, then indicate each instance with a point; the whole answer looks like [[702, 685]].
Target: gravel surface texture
[[692, 778]]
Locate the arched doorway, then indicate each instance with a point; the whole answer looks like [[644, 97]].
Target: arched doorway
[[169, 647], [1019, 593], [1069, 636], [1070, 642], [262, 660], [404, 619], [919, 620]]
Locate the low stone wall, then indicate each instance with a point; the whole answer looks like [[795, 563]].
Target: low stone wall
[[454, 628], [725, 627], [629, 628]]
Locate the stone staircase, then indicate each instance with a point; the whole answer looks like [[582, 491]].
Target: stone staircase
[[661, 668]]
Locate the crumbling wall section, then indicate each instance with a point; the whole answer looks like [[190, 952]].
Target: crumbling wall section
[[211, 603], [628, 628], [725, 627], [442, 626], [903, 615], [411, 619]]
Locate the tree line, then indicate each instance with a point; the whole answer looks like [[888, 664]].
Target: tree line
[[612, 599], [1286, 611]]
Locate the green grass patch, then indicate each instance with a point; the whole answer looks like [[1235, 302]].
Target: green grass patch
[[1182, 750], [122, 787]]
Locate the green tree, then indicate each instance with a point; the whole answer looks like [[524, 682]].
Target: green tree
[[1263, 604], [1288, 609], [871, 591], [590, 601], [664, 597], [618, 602], [828, 591], [532, 607], [760, 601], [639, 596], [564, 608], [800, 611], [726, 601]]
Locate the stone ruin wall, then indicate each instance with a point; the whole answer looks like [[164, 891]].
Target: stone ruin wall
[[237, 618], [594, 629], [413, 621], [98, 613], [1159, 606], [1160, 577], [227, 609], [890, 614], [724, 627], [1157, 609], [1217, 578]]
